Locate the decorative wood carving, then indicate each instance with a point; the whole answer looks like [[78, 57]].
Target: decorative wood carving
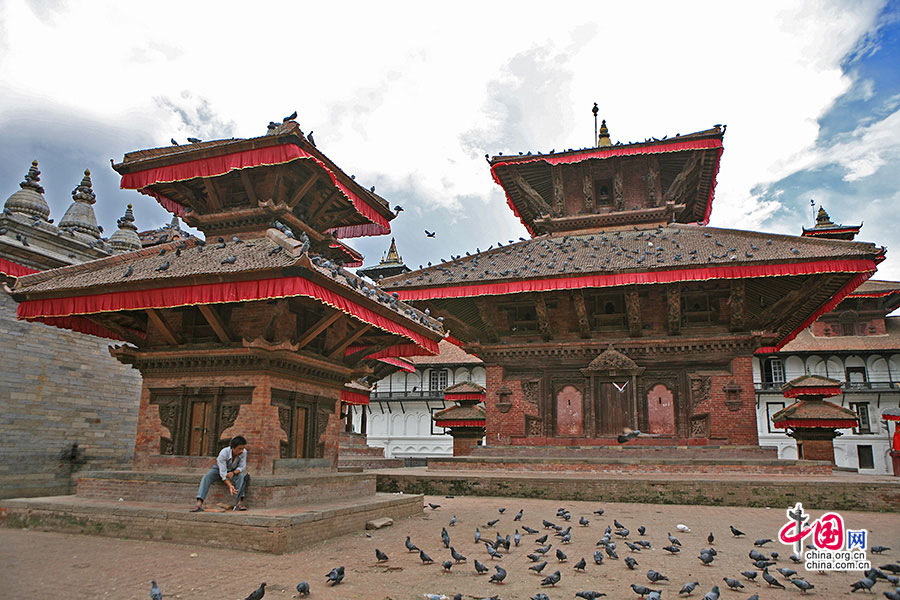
[[534, 426], [619, 188], [168, 413], [229, 416], [321, 425], [700, 387], [487, 317], [284, 420], [532, 194], [530, 390], [584, 323], [543, 315], [633, 310], [652, 179], [276, 315], [558, 190], [736, 305], [673, 309], [681, 184], [700, 426], [587, 187]]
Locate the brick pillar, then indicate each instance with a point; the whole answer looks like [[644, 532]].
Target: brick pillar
[[815, 443], [465, 438]]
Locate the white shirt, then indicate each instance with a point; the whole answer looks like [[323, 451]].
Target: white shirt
[[227, 462]]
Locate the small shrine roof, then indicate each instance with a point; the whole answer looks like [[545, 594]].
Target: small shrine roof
[[450, 354], [461, 412], [811, 385], [565, 257], [464, 387], [807, 342], [817, 413]]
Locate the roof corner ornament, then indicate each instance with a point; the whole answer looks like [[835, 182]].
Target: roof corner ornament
[[84, 192], [595, 110], [603, 140]]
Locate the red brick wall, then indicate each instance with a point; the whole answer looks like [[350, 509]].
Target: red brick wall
[[818, 450], [501, 426], [733, 426]]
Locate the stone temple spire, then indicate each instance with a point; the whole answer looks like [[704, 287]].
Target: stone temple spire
[[603, 139], [80, 215], [126, 238], [29, 200]]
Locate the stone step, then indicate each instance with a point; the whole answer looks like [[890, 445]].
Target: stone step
[[369, 463], [364, 451], [352, 439], [626, 451]]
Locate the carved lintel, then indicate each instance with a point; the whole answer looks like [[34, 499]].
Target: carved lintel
[[587, 186], [558, 190], [619, 187], [543, 315], [633, 311], [736, 301], [673, 309], [487, 317], [584, 323], [532, 194], [264, 344]]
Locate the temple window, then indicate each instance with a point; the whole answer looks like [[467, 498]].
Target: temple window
[[701, 308], [607, 311], [299, 419], [521, 317], [856, 377], [773, 372], [197, 418], [865, 457], [861, 409], [438, 380], [603, 191], [771, 409]]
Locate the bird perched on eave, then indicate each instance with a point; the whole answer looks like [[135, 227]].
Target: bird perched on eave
[[290, 117]]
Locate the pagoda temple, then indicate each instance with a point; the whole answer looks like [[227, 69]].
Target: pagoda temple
[[621, 255], [255, 330], [391, 264]]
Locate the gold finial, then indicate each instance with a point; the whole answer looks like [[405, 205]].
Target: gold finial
[[604, 140]]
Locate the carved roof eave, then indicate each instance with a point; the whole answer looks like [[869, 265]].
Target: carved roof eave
[[661, 214]]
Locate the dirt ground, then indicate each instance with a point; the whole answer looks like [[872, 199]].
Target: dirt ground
[[52, 565]]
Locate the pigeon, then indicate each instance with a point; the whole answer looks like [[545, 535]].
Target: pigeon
[[642, 530], [194, 140], [623, 533], [788, 573], [706, 558], [879, 549], [580, 565], [477, 535], [410, 546], [528, 529], [538, 567], [519, 514], [452, 521], [710, 538], [655, 576], [517, 537], [552, 579], [290, 117], [761, 542], [733, 583], [583, 522], [751, 575], [492, 552], [303, 588], [802, 584], [174, 143], [230, 260], [499, 576], [540, 597], [683, 528], [688, 588], [599, 512], [763, 564], [534, 557], [493, 522], [617, 524], [895, 595], [611, 552], [541, 539], [672, 549], [863, 584], [598, 557], [771, 580], [640, 590], [155, 592], [480, 568], [795, 559], [674, 540], [456, 555], [589, 595], [560, 555], [258, 593], [712, 594], [544, 549], [756, 555], [162, 267], [447, 564], [501, 510], [426, 560], [398, 208], [736, 532], [630, 562], [128, 271], [430, 234]]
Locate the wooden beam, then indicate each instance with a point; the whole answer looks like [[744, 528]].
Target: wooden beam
[[633, 310], [543, 315], [163, 327], [319, 327], [679, 187], [123, 332], [213, 198], [328, 199], [215, 321], [248, 186], [487, 317], [303, 189], [736, 305], [531, 194], [335, 218], [587, 186], [559, 191], [342, 345], [352, 359], [277, 314], [584, 322]]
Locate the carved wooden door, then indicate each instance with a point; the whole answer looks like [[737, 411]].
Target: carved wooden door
[[198, 434], [301, 415], [613, 408], [569, 411], [661, 410]]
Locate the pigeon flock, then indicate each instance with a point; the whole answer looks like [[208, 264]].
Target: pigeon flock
[[491, 553]]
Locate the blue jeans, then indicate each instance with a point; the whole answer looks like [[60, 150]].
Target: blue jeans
[[213, 475]]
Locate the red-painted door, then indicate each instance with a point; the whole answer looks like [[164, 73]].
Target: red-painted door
[[661, 410], [569, 411]]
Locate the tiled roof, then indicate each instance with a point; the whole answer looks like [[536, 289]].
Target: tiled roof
[[189, 261], [461, 412], [813, 410], [807, 342], [874, 286], [464, 387], [675, 246], [811, 381], [450, 354]]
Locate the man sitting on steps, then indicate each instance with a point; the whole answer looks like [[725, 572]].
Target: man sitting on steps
[[230, 467]]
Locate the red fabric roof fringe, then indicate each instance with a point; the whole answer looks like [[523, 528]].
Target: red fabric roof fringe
[[395, 351], [472, 423], [807, 423], [272, 155], [813, 391], [401, 364], [611, 151], [355, 398], [215, 293], [82, 325], [463, 396], [8, 267]]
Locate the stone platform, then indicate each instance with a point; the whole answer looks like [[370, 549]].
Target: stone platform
[[288, 510], [836, 491], [630, 459], [354, 453]]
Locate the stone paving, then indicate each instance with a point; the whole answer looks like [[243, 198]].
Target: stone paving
[[52, 565]]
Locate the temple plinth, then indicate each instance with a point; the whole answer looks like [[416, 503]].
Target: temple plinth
[[466, 420], [812, 421]]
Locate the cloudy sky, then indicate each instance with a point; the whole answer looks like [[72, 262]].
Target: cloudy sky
[[410, 97]]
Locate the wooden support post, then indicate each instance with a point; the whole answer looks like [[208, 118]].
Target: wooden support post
[[543, 315], [248, 186], [215, 321], [633, 310], [318, 328], [673, 309], [487, 318], [736, 303], [163, 327], [124, 332], [587, 186], [558, 190], [213, 198], [584, 322], [342, 345]]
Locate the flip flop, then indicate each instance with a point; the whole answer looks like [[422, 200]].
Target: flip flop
[[241, 507], [197, 509]]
